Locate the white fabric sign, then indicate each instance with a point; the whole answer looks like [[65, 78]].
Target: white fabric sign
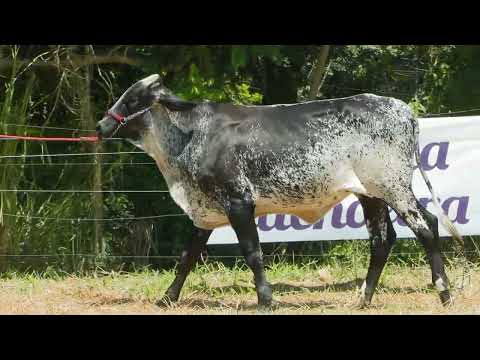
[[450, 154]]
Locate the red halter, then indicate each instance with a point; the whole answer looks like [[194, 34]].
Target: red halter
[[118, 117], [123, 120]]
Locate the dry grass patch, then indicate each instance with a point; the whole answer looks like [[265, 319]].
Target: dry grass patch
[[216, 289]]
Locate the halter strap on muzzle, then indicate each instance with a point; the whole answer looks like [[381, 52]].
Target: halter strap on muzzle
[[123, 120]]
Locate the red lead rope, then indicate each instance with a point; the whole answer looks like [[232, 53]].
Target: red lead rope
[[122, 120], [34, 138]]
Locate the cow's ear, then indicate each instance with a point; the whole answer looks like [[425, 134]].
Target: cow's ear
[[166, 98]]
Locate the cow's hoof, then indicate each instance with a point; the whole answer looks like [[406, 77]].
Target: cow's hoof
[[266, 307], [361, 304], [166, 302], [446, 298], [264, 294]]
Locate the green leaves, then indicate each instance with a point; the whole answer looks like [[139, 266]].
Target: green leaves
[[242, 94], [417, 107], [197, 87], [271, 51], [429, 78], [239, 56], [242, 55]]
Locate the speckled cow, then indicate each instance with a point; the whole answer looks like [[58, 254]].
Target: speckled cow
[[226, 164]]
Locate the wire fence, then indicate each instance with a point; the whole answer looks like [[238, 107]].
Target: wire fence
[[14, 138], [80, 163], [71, 154], [176, 257], [133, 163], [92, 219], [81, 191], [47, 127], [327, 85], [451, 113]]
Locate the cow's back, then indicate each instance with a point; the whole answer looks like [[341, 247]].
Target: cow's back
[[298, 159], [261, 140]]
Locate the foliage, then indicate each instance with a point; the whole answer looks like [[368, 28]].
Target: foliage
[[72, 86], [418, 75], [14, 109]]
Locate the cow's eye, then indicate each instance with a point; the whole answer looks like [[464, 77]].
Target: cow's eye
[[133, 104]]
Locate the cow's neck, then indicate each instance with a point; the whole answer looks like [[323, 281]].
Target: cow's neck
[[164, 141]]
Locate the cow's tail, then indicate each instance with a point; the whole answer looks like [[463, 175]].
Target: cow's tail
[[446, 222], [452, 230]]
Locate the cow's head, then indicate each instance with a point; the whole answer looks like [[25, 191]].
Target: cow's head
[[129, 117]]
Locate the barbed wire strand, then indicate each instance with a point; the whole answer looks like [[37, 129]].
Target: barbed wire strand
[[80, 163], [46, 127], [327, 85], [212, 256], [82, 191], [49, 140], [70, 154], [91, 219], [450, 113]]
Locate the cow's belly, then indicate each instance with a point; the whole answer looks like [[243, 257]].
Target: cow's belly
[[309, 211], [207, 214], [310, 205]]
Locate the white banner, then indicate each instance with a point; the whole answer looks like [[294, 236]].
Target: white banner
[[450, 154]]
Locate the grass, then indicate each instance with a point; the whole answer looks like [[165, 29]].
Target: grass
[[308, 288]]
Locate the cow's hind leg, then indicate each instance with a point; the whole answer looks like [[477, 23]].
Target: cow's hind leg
[[382, 238], [188, 259], [241, 214], [425, 226]]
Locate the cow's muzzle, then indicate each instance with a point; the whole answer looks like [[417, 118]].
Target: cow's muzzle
[[106, 128]]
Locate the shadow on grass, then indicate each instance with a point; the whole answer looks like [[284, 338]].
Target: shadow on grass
[[232, 306], [345, 286], [278, 288], [282, 288], [115, 301]]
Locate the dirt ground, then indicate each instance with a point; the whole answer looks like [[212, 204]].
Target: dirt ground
[[217, 290]]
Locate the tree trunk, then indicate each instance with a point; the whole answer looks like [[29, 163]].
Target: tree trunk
[[318, 72]]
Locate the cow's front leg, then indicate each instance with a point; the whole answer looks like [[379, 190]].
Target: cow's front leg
[[188, 259], [241, 214]]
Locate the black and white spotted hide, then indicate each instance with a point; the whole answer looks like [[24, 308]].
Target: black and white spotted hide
[[227, 164]]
